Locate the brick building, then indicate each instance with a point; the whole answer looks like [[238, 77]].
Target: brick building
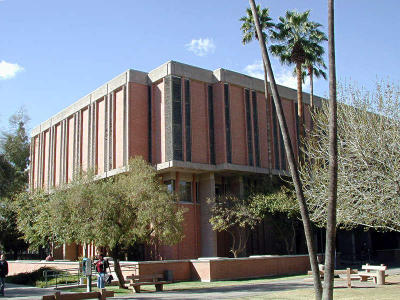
[[205, 131]]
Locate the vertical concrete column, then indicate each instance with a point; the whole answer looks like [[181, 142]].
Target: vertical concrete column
[[111, 131], [31, 157], [126, 119], [208, 235]]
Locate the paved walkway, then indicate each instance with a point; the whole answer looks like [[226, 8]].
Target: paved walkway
[[17, 291]]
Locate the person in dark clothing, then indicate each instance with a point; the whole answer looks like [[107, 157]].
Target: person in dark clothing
[[3, 273], [101, 268]]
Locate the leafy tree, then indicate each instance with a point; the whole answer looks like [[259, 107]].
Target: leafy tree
[[282, 205], [297, 42], [236, 216], [368, 159], [291, 159], [115, 213], [15, 147], [14, 159], [7, 174]]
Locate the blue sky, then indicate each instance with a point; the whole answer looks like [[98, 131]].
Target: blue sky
[[54, 52]]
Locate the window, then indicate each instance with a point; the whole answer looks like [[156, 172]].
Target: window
[[255, 126], [275, 133], [227, 124], [177, 118], [187, 121], [185, 191], [170, 185]]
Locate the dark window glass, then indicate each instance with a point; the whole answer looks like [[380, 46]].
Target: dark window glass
[[197, 193], [227, 124], [185, 191], [275, 134], [149, 127], [170, 185], [255, 126], [188, 122], [177, 118], [249, 127], [211, 123]]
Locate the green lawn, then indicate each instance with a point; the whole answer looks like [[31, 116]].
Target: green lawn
[[389, 291], [189, 285]]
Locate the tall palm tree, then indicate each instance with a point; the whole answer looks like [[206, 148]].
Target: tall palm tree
[[291, 160], [294, 35], [333, 163], [250, 33], [314, 63]]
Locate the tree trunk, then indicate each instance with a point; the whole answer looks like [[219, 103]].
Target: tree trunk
[[300, 100], [332, 189], [311, 74], [266, 93], [117, 267], [291, 160]]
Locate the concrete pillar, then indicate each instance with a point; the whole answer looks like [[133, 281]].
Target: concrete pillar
[[208, 235]]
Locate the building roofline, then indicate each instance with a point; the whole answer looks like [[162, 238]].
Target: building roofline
[[172, 68]]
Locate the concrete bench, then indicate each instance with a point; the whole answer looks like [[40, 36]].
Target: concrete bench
[[378, 275], [138, 280], [102, 295], [348, 274]]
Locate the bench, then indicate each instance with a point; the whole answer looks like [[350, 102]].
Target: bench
[[347, 274], [102, 295], [378, 276], [138, 280]]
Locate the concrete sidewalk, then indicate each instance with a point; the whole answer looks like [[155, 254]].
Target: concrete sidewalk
[[17, 291]]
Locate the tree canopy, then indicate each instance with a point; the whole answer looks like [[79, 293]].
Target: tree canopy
[[115, 212], [368, 159], [236, 216], [14, 160]]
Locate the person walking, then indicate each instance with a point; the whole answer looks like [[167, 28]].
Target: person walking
[[3, 273], [101, 267]]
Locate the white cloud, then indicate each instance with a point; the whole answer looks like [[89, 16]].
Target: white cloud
[[283, 75], [255, 70], [9, 70], [201, 47]]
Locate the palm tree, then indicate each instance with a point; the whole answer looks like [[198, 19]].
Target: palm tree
[[249, 33], [291, 160], [314, 64], [295, 35], [333, 164]]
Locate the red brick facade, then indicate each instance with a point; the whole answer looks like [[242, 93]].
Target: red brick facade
[[133, 115]]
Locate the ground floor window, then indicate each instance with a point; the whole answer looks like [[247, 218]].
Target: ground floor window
[[185, 191]]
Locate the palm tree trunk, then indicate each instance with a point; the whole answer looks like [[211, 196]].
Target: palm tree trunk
[[291, 160], [311, 74], [332, 189], [266, 93], [300, 101]]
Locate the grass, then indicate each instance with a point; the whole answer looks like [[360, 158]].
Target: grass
[[367, 292], [389, 291], [190, 285], [36, 278], [64, 279]]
